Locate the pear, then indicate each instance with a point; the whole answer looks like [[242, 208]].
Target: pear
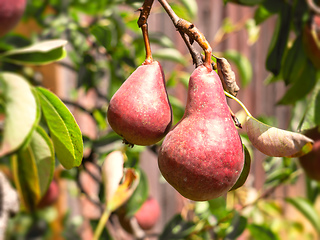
[[202, 156], [140, 110]]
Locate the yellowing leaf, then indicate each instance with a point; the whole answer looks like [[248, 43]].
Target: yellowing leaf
[[276, 142], [112, 172], [125, 190]]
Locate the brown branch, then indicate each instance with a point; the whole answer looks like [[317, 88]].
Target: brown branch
[[196, 56], [142, 23], [188, 28]]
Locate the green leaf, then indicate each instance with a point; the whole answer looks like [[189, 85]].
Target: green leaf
[[238, 225], [311, 116], [21, 112], [261, 232], [63, 128], [276, 142], [170, 54], [302, 86], [294, 61], [218, 207], [267, 9], [245, 171], [139, 196], [37, 54], [43, 151], [177, 228], [33, 168], [243, 65], [307, 209], [191, 6], [312, 189], [279, 41]]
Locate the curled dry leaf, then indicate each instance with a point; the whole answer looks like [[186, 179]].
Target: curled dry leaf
[[125, 189], [227, 76], [112, 172], [276, 142]]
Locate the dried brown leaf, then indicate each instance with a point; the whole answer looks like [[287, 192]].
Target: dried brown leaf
[[227, 76]]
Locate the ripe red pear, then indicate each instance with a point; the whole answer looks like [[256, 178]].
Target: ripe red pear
[[51, 196], [10, 14], [149, 213], [140, 111], [202, 156], [311, 161], [146, 217]]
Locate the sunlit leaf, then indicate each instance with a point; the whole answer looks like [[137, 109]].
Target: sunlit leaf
[[245, 171], [307, 209], [125, 189], [64, 130], [112, 172], [39, 53], [21, 112], [276, 142]]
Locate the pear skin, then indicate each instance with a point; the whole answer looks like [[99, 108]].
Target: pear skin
[[140, 110], [202, 156]]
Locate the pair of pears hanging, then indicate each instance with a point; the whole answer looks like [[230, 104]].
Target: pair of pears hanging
[[202, 155]]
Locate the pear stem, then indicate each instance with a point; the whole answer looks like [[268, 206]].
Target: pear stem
[[142, 23], [197, 58], [194, 34], [102, 223], [240, 103]]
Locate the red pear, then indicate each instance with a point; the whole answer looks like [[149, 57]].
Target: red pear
[[140, 111], [202, 156], [10, 14], [51, 196], [311, 161]]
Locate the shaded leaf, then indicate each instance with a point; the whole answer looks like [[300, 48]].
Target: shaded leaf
[[177, 228], [64, 130], [33, 168], [112, 172], [245, 171], [279, 40], [21, 112], [261, 232], [170, 54], [125, 190], [312, 189], [302, 85], [307, 209], [277, 142], [37, 54], [238, 225], [218, 207], [267, 9], [243, 65]]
